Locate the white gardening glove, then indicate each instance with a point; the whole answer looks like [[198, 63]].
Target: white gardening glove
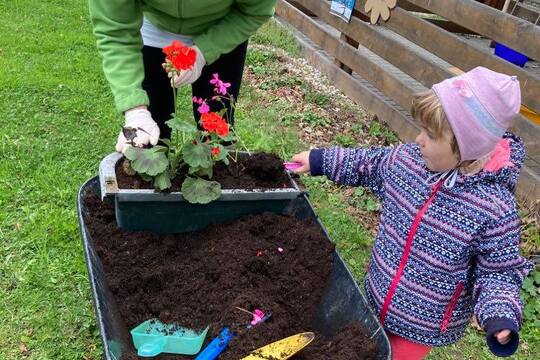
[[190, 76], [147, 129]]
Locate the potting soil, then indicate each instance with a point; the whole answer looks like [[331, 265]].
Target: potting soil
[[258, 171], [270, 262]]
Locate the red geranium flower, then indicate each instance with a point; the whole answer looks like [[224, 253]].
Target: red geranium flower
[[222, 129], [212, 122], [182, 57], [216, 150]]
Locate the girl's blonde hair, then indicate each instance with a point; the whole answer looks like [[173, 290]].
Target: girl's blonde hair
[[427, 109]]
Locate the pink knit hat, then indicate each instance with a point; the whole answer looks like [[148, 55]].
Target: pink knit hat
[[480, 105]]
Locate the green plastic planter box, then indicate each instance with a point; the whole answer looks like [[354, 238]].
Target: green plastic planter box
[[146, 209], [342, 301]]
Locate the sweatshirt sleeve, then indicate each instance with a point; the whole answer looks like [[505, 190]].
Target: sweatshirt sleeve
[[353, 166], [116, 25], [245, 17], [500, 271]]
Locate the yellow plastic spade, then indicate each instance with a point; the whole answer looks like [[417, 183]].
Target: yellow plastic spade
[[282, 349]]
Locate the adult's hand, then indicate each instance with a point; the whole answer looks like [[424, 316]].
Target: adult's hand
[[147, 130], [190, 76]]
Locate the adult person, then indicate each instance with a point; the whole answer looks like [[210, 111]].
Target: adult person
[[130, 37]]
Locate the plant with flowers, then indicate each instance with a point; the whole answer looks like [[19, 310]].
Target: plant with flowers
[[191, 150]]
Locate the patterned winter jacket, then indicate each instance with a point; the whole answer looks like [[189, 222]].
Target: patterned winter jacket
[[441, 253]]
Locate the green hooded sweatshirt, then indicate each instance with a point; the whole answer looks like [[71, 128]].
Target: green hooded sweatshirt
[[217, 27]]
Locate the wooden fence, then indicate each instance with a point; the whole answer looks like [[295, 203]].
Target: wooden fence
[[382, 66]]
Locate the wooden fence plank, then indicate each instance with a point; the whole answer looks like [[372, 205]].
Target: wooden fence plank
[[519, 34], [344, 37]]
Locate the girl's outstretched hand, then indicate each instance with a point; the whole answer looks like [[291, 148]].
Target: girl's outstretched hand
[[503, 336], [302, 158]]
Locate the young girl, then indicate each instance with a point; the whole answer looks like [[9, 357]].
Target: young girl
[[447, 247]]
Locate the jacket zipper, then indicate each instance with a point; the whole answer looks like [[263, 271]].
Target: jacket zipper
[[406, 253], [450, 308]]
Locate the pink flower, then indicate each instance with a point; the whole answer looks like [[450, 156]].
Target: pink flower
[[203, 108], [220, 87]]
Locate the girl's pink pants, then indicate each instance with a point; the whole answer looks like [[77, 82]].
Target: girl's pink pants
[[403, 349]]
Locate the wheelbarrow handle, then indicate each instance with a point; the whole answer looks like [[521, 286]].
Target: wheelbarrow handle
[[216, 346]]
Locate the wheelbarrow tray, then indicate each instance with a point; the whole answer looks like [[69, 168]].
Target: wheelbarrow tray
[[341, 303]]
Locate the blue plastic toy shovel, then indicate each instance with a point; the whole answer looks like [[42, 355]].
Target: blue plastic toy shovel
[[216, 346], [153, 337], [220, 342]]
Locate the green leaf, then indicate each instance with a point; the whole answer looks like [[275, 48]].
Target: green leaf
[[166, 141], [230, 137], [198, 155], [146, 177], [185, 126], [359, 191], [206, 172], [150, 162], [160, 148], [174, 163], [528, 310], [528, 284], [162, 181], [132, 152], [200, 191], [536, 277]]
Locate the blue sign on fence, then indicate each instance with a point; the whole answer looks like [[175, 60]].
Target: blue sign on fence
[[342, 9]]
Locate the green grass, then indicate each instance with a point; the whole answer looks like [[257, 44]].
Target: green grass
[[57, 122]]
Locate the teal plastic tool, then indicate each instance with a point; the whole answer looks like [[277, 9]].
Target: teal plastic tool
[[153, 337]]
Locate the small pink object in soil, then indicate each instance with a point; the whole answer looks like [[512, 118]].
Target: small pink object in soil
[[258, 316], [280, 249]]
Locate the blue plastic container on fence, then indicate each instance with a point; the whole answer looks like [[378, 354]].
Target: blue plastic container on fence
[[510, 55]]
